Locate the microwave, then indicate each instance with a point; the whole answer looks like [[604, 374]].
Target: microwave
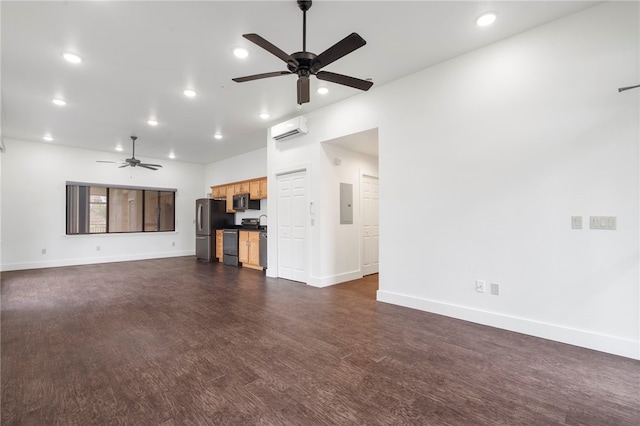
[[242, 202]]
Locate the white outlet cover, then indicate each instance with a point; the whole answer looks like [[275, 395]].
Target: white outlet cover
[[495, 289]]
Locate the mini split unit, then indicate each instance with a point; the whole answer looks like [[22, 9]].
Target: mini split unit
[[290, 128]]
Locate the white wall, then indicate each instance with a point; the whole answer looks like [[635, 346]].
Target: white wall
[[33, 207], [242, 167], [496, 150]]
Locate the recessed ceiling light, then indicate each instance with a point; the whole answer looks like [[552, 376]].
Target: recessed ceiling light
[[59, 102], [264, 115], [189, 93], [119, 148], [486, 19], [323, 90], [152, 122], [47, 138], [72, 57], [172, 155], [217, 136], [240, 52]]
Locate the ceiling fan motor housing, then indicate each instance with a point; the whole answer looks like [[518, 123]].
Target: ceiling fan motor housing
[[304, 5], [305, 62]]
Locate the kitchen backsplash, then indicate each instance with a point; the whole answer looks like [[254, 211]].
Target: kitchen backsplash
[[253, 213]]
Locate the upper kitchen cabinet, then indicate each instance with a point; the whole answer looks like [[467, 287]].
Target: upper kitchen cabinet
[[219, 192], [242, 187], [258, 189], [230, 193]]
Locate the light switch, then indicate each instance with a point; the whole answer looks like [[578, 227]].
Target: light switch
[[603, 222], [576, 222]]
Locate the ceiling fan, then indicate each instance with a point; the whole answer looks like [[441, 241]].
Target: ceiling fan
[[305, 64], [133, 161]]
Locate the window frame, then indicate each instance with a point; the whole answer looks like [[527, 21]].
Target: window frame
[[75, 222]]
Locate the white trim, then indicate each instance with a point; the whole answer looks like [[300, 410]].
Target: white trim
[[93, 260], [586, 339], [334, 279]]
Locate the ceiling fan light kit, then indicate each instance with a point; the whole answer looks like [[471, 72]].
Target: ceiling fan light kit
[[305, 64]]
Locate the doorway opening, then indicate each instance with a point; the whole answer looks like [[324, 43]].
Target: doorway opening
[[353, 160]]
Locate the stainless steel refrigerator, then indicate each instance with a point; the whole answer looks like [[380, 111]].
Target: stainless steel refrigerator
[[210, 215]]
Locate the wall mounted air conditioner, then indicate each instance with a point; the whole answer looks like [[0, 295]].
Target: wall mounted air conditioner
[[290, 128]]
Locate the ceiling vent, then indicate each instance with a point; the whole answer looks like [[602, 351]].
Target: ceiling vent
[[289, 129]]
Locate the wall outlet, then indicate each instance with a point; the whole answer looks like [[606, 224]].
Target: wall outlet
[[44, 251], [480, 286], [495, 289], [97, 248], [173, 244]]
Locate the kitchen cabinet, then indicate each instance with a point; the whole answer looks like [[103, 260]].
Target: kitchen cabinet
[[242, 188], [258, 189], [249, 249], [219, 192], [230, 193], [219, 244]]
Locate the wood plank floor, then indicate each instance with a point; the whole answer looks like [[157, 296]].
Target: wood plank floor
[[177, 342]]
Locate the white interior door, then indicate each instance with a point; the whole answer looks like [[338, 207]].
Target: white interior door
[[292, 226], [370, 225]]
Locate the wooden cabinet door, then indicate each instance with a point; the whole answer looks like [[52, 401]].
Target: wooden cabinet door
[[258, 189], [230, 194], [242, 188], [254, 248], [254, 190], [219, 244], [263, 188], [219, 192], [243, 247]]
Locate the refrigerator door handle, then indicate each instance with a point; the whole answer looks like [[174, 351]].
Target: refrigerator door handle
[[199, 218]]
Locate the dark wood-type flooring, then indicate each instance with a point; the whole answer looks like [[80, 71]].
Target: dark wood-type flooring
[[177, 342]]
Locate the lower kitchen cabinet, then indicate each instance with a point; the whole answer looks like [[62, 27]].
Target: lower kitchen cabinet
[[249, 249], [219, 244]]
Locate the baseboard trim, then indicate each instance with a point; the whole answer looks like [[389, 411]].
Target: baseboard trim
[[334, 279], [604, 343], [92, 260]]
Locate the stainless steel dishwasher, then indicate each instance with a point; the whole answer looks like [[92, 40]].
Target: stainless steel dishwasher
[[230, 247]]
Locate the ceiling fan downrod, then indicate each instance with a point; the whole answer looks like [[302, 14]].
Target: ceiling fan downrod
[[304, 5], [133, 153]]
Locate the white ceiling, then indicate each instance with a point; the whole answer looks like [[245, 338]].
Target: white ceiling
[[139, 56]]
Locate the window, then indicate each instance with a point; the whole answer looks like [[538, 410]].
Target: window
[[98, 209], [159, 211]]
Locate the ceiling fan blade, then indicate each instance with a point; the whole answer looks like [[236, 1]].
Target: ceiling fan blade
[[105, 161], [259, 76], [148, 166], [303, 90], [269, 47], [345, 80], [345, 46], [124, 165]]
